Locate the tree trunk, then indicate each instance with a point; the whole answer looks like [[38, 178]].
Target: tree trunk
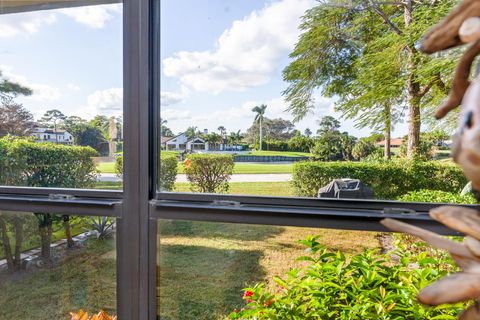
[[413, 91], [68, 231], [18, 229], [388, 131], [6, 244], [46, 239], [261, 134]]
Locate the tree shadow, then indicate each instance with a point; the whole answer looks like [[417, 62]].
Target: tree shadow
[[197, 282], [211, 230]]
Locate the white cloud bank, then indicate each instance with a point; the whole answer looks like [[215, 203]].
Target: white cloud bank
[[13, 25], [108, 102], [246, 54], [41, 92]]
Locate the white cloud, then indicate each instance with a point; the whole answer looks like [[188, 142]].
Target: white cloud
[[92, 16], [41, 92], [168, 98], [246, 54], [174, 115], [73, 87], [107, 102], [13, 25]]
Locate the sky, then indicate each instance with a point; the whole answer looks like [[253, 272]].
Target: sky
[[220, 58]]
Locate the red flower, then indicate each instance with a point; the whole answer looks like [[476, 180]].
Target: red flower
[[247, 294], [269, 302], [187, 162]]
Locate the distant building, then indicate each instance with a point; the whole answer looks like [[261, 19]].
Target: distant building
[[51, 135], [394, 143], [182, 143]]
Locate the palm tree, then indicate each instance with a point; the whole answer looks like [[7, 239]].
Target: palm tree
[[191, 133], [223, 133], [213, 138], [260, 112], [235, 137]]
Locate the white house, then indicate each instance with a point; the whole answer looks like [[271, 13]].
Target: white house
[[182, 143], [51, 135]]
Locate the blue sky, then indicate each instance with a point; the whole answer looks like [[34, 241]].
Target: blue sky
[[219, 59]]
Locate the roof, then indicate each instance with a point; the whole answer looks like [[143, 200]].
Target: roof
[[393, 142], [166, 139], [51, 131]]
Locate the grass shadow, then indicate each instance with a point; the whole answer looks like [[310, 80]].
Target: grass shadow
[[198, 282], [209, 230]]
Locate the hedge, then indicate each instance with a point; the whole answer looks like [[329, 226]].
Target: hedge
[[389, 180], [26, 163], [168, 170]]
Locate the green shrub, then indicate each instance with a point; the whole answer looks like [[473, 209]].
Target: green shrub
[[209, 172], [119, 166], [363, 286], [363, 148], [438, 197], [168, 170], [27, 163], [425, 150], [389, 179]]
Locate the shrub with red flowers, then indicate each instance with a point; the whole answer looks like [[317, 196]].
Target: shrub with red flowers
[[363, 286]]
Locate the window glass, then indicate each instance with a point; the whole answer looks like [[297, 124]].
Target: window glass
[[307, 99], [51, 265], [61, 93], [210, 270]]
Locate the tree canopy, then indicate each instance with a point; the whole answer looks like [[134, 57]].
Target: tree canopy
[[363, 53]]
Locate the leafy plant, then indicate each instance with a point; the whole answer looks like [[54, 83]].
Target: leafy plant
[[102, 226], [363, 286], [437, 196], [209, 172], [82, 315]]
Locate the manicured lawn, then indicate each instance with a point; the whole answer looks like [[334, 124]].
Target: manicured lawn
[[258, 168], [280, 153], [83, 279], [240, 168], [106, 167], [250, 188]]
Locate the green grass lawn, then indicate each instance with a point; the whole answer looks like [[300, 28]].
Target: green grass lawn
[[83, 279], [281, 189], [106, 167], [280, 153], [240, 168]]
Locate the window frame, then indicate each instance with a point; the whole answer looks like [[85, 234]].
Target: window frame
[[139, 206]]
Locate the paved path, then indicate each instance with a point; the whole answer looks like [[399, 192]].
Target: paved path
[[265, 177]]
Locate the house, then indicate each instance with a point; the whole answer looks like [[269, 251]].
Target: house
[[182, 143], [394, 143], [52, 135]]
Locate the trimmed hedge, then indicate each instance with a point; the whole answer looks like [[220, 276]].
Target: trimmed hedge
[[389, 180], [168, 170], [209, 172], [27, 163]]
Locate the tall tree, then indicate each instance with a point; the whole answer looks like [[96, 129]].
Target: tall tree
[[328, 124], [308, 132], [164, 130], [15, 119], [53, 118], [363, 53], [10, 90], [273, 129], [191, 132], [234, 138], [259, 114], [223, 134]]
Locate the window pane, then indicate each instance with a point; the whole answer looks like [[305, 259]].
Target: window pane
[[203, 268], [51, 265], [61, 94], [303, 110]]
